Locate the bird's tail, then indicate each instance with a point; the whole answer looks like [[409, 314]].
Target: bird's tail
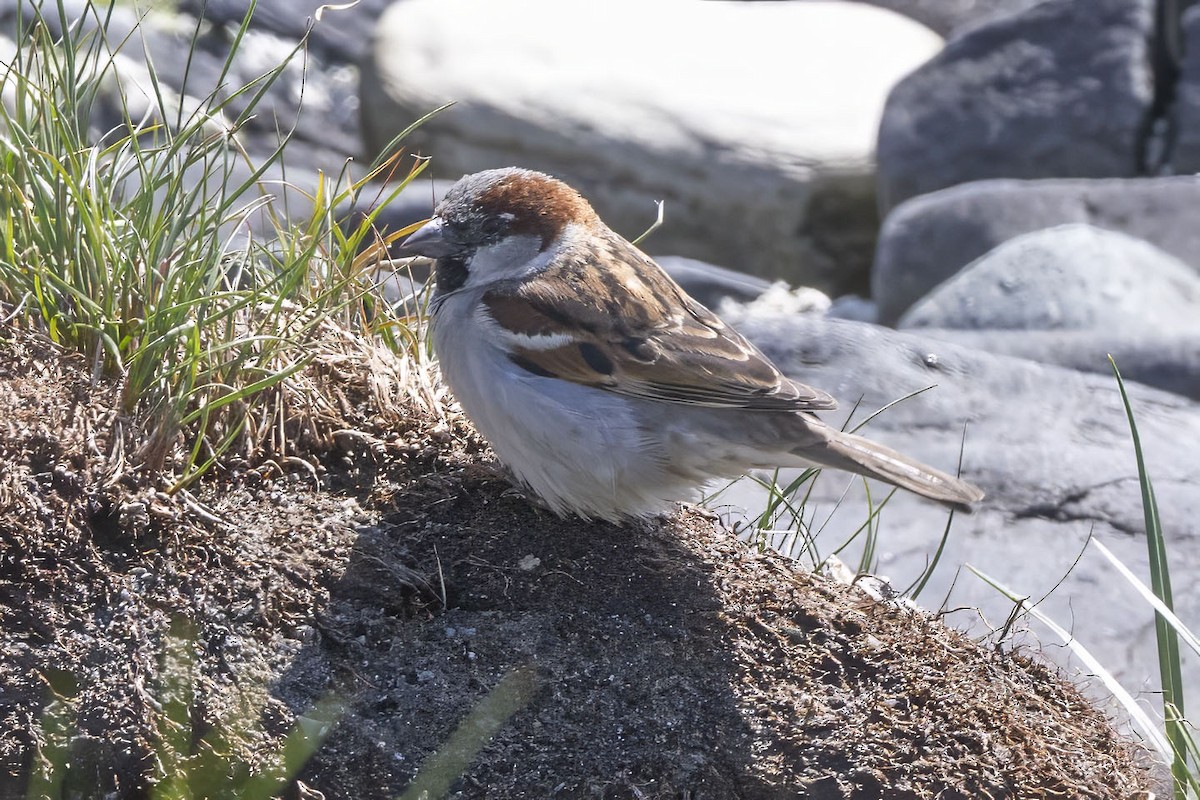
[[852, 453]]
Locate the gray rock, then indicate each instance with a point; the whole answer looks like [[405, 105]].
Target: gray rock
[[929, 238], [1062, 89], [123, 95], [949, 16], [1167, 360], [1073, 277], [324, 136], [769, 173], [711, 284], [853, 307], [1037, 435], [1185, 153], [1072, 296], [341, 35], [1052, 448], [327, 130], [118, 19]]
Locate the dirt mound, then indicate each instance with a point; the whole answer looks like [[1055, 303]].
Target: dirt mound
[[146, 640]]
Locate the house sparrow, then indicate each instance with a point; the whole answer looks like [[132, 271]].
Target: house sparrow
[[599, 383]]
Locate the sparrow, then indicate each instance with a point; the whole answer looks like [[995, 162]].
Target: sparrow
[[599, 383]]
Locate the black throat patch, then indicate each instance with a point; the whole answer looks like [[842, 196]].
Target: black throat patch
[[450, 274]]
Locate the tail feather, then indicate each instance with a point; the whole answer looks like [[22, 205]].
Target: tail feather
[[852, 453]]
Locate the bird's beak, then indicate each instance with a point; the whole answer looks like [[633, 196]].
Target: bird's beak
[[428, 241]]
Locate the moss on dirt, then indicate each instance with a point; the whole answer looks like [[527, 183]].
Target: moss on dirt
[[401, 576]]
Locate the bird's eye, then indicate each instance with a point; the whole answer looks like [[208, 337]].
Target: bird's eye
[[493, 226]]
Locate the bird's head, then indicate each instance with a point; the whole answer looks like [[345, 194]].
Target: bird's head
[[497, 225]]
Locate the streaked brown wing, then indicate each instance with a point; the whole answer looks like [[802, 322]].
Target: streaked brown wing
[[630, 329]]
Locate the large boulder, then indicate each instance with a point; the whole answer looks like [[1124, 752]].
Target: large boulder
[[320, 79], [929, 238], [340, 35], [1071, 277], [948, 16], [1061, 89], [1074, 295], [1184, 156], [767, 169], [711, 284], [1167, 360]]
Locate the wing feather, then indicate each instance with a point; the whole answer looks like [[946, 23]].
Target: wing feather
[[629, 328]]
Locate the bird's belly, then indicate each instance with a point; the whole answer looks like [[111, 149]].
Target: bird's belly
[[583, 450]]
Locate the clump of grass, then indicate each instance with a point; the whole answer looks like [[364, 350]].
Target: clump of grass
[[142, 248]]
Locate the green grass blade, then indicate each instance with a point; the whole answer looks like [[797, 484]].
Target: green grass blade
[[1148, 595], [918, 586], [1170, 670], [440, 770], [309, 732], [51, 758]]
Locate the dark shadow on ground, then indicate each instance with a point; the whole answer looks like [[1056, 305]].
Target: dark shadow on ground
[[622, 626]]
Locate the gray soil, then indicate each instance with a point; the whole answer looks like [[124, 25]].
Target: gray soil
[[468, 641]]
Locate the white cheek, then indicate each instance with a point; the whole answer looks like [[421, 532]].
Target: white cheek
[[511, 257]]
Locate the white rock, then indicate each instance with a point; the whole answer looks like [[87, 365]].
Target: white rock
[[755, 122]]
